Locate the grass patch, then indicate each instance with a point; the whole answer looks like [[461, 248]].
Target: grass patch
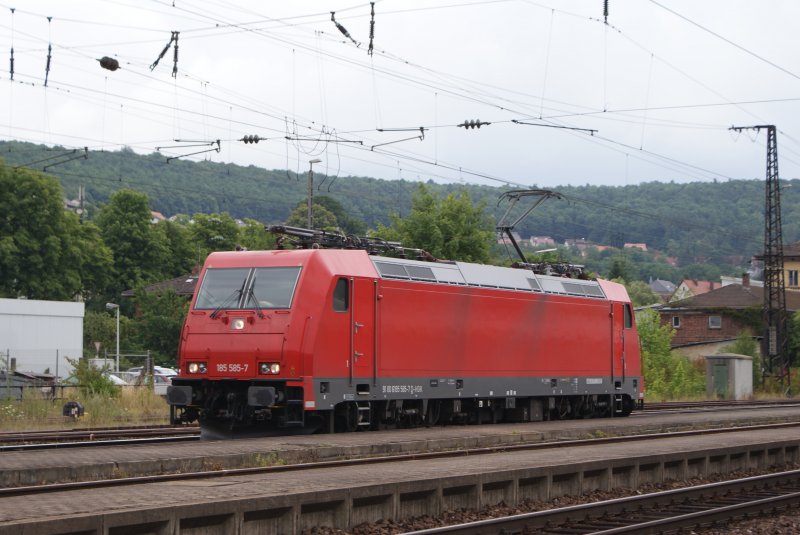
[[131, 406]]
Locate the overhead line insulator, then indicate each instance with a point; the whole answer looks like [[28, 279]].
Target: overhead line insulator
[[109, 63], [473, 124]]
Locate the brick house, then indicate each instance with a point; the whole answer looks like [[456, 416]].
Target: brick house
[[704, 323]]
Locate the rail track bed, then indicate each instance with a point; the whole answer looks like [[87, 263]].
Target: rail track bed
[[287, 500], [396, 458], [692, 508], [27, 468]]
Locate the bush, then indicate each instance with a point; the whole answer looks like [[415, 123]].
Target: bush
[[92, 381], [667, 375]]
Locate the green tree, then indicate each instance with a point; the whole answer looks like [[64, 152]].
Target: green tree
[[467, 231], [793, 335], [453, 228], [667, 375], [323, 218], [45, 253], [619, 268], [214, 232], [140, 252], [347, 224], [95, 259], [99, 327], [641, 294], [158, 324], [181, 256], [255, 237]]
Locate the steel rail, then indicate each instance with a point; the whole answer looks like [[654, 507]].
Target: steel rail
[[717, 404], [657, 512], [45, 440], [89, 434], [80, 485], [97, 443]]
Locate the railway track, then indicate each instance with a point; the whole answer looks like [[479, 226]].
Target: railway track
[[363, 461], [659, 512], [32, 440], [718, 404], [122, 436]]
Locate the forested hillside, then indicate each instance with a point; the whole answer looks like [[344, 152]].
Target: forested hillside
[[702, 221]]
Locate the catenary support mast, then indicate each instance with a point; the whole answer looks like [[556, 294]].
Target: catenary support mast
[[775, 336]]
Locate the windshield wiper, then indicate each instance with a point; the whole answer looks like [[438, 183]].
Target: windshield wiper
[[252, 296], [236, 293]]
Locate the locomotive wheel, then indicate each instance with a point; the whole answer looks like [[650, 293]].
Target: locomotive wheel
[[562, 408], [346, 417], [627, 406], [410, 415], [434, 413]]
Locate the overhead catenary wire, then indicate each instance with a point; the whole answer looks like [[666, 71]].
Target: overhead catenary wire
[[340, 129], [725, 39], [631, 147]]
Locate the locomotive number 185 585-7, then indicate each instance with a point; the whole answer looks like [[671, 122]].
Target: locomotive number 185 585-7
[[231, 367]]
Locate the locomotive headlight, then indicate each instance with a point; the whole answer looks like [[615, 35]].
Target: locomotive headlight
[[196, 367], [237, 324], [269, 368]]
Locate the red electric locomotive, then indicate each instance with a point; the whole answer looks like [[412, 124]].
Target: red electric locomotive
[[325, 339]]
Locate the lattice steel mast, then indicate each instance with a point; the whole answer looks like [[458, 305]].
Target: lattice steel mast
[[775, 336]]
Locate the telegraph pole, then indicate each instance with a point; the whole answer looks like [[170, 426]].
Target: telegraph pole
[[775, 336]]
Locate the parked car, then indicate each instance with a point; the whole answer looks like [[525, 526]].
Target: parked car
[[116, 379], [156, 369], [162, 378]]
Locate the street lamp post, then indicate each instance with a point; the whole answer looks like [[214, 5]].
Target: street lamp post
[[311, 192], [113, 306]]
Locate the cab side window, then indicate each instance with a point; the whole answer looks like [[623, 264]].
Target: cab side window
[[341, 295], [628, 317]]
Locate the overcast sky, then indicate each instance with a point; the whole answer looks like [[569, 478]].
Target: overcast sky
[[650, 95]]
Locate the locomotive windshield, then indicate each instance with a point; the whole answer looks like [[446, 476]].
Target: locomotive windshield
[[245, 288]]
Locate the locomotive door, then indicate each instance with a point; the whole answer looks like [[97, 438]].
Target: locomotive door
[[619, 320], [363, 329]]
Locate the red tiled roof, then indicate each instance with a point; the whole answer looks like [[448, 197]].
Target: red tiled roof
[[792, 249], [182, 285], [734, 296], [642, 246], [699, 287]]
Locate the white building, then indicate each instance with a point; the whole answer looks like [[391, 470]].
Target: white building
[[38, 336]]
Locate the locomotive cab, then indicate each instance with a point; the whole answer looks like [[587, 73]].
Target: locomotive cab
[[246, 350], [233, 363]]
